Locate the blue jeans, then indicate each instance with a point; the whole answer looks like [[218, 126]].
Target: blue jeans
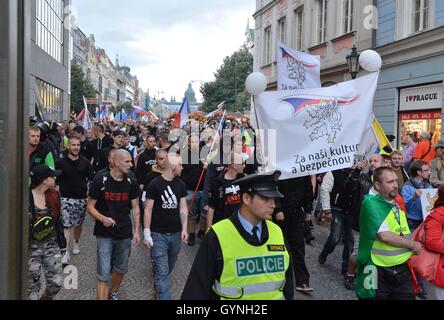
[[197, 210], [112, 256], [341, 225], [164, 255]]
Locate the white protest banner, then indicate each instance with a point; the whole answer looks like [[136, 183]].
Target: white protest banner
[[315, 130], [428, 198], [297, 70]]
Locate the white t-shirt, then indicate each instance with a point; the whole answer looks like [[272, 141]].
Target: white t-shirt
[[384, 227]]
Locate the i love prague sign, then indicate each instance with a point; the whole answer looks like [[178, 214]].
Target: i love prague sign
[[421, 98]]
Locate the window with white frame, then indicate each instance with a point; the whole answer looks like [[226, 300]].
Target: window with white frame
[[321, 12], [267, 45], [420, 15], [347, 16], [282, 25], [298, 20]]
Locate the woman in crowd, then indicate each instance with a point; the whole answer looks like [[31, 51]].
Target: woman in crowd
[[434, 242], [46, 235]]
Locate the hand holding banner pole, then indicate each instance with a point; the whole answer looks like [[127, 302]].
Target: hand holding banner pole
[[208, 157]]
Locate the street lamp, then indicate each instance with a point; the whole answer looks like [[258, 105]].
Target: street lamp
[[353, 62]]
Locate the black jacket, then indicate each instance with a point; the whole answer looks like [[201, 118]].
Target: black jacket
[[298, 196], [208, 266], [38, 156], [191, 172], [360, 185]]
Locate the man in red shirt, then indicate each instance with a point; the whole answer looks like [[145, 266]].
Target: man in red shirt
[[424, 150]]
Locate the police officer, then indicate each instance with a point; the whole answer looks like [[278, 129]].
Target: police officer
[[244, 257]]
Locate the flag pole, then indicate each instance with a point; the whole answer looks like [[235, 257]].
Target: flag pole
[[256, 133], [209, 153]]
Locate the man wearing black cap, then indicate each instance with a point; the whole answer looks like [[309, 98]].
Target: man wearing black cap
[[244, 257]]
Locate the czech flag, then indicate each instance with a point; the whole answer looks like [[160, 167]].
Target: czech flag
[[182, 117]]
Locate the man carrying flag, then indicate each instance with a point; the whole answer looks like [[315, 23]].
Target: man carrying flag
[[384, 244]]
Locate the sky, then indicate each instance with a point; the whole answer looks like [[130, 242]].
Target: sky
[[167, 43]]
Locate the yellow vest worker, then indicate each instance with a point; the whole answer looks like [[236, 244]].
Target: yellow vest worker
[[386, 255], [244, 257], [385, 244]]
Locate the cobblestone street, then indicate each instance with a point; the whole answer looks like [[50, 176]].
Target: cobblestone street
[[137, 285]]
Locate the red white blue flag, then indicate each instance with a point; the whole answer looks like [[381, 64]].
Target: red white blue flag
[[182, 117], [297, 70], [312, 131]]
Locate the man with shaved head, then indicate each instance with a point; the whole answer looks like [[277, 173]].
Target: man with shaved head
[[111, 197], [165, 222]]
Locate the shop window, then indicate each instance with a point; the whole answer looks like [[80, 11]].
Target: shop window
[[417, 122], [52, 100]]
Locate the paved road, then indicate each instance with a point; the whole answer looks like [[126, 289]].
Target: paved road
[[326, 280]]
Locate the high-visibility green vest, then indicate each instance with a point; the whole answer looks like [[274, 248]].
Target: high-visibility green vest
[[250, 272], [385, 255]]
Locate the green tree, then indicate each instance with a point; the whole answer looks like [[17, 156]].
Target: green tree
[[127, 106], [229, 85], [80, 87]]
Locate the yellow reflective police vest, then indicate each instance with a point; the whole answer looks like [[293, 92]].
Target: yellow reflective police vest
[[250, 272], [385, 255]]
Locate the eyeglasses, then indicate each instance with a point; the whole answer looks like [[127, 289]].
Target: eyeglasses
[[425, 170]]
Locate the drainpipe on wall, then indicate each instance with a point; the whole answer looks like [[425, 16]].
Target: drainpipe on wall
[[375, 3]]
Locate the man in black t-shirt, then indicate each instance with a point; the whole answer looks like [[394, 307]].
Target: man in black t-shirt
[[76, 172], [192, 176], [224, 196], [156, 171], [165, 222], [100, 142], [146, 159], [86, 147], [112, 196]]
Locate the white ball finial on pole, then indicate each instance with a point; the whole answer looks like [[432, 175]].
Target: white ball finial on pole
[[256, 83], [370, 61]]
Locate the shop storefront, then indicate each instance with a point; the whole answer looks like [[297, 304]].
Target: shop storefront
[[420, 110]]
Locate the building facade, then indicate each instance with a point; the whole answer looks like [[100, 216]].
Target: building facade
[[50, 60], [328, 28], [408, 34], [114, 84], [410, 39]]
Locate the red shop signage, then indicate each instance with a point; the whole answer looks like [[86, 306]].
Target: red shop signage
[[431, 115]]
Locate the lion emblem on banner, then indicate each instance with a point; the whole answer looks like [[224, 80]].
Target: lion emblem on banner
[[296, 71], [325, 120]]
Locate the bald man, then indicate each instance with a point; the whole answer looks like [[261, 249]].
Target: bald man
[[165, 222], [110, 198]]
